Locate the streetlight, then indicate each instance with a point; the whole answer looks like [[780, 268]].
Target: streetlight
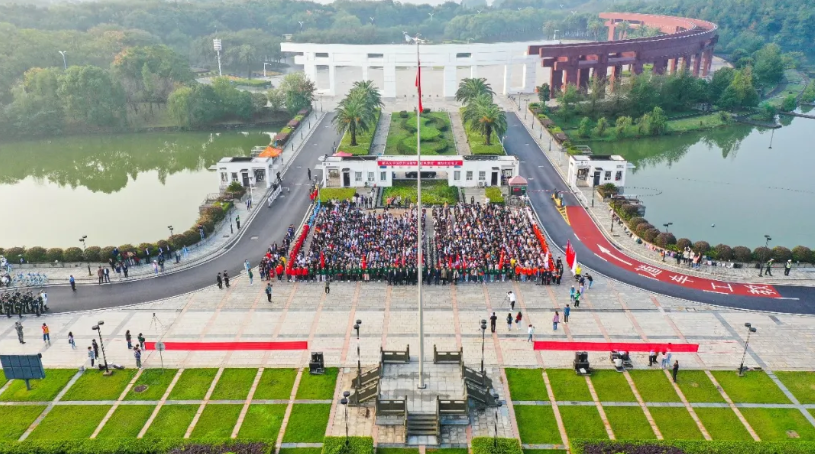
[[495, 438], [231, 229], [554, 38], [483, 335], [264, 68], [344, 402], [98, 328], [171, 231], [359, 359], [65, 65], [216, 44], [82, 240], [668, 224], [767, 240], [772, 134], [750, 330]]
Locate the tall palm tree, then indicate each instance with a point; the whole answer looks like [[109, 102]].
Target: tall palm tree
[[485, 117], [355, 115], [370, 92], [471, 88]]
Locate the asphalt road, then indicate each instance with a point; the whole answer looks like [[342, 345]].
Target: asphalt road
[[543, 178], [268, 226]]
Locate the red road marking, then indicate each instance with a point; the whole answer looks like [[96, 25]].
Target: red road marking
[[230, 346], [592, 238], [608, 346]]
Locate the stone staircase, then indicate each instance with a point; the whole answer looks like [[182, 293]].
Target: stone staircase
[[476, 194], [423, 425], [459, 134], [381, 137]]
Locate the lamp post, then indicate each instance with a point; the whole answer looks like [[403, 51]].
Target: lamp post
[[495, 437], [359, 358], [98, 328], [216, 44], [171, 232], [772, 134], [65, 66], [667, 224], [231, 229], [750, 330], [264, 68], [483, 335], [767, 240], [344, 402], [82, 240]]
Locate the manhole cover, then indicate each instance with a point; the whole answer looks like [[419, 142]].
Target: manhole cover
[[694, 385], [792, 434], [253, 238], [140, 389]]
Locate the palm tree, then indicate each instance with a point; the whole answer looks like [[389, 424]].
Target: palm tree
[[485, 117], [369, 92], [355, 115], [471, 88]]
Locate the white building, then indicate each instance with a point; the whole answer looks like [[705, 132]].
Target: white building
[[248, 171], [596, 170], [392, 56], [460, 171]]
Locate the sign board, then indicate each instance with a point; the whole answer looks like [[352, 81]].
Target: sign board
[[160, 346], [433, 163], [22, 367], [517, 190]]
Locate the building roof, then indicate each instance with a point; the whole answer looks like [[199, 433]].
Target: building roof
[[270, 152], [517, 180]]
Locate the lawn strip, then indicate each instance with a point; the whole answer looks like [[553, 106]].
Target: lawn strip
[[275, 384], [234, 384], [193, 384], [262, 421], [568, 386], [17, 419], [44, 390], [67, 422], [629, 423], [779, 424], [307, 423], [583, 422], [611, 386], [722, 424], [654, 386], [217, 421], [318, 387], [126, 422], [95, 385], [526, 384], [753, 387], [172, 421], [536, 424], [675, 423], [156, 381]]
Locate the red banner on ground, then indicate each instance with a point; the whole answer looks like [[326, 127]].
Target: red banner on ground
[[229, 346], [646, 347]]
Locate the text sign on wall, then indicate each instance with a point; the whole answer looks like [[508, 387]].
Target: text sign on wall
[[445, 163]]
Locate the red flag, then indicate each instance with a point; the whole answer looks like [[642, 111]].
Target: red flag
[[322, 260], [419, 84], [571, 257]]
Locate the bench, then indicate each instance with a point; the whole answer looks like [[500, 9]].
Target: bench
[[395, 356], [365, 394], [453, 407], [368, 377], [480, 395], [448, 357], [392, 407], [475, 377]]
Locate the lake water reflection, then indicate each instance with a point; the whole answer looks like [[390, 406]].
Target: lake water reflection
[[116, 189]]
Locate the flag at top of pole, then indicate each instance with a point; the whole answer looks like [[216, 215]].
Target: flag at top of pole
[[419, 83]]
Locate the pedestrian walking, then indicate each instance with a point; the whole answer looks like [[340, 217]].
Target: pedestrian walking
[[106, 275], [141, 340], [238, 221], [555, 321], [518, 319], [590, 279], [19, 328], [46, 334], [577, 299], [769, 267], [493, 320], [137, 355], [529, 332], [71, 341], [566, 311], [327, 287], [246, 265], [787, 267], [675, 370], [511, 297], [571, 294], [309, 174], [95, 348], [129, 339], [226, 279], [666, 358], [155, 267], [652, 357], [509, 321], [251, 277], [73, 282], [100, 274], [91, 355], [219, 281], [269, 291]]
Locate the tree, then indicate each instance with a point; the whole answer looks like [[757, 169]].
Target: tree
[[568, 99], [355, 115], [369, 92], [150, 73], [621, 125], [600, 128], [472, 88], [543, 93], [243, 57], [277, 99], [789, 104], [597, 91], [740, 93], [298, 92], [659, 122], [769, 66], [178, 105], [91, 96], [722, 78], [485, 117], [584, 130]]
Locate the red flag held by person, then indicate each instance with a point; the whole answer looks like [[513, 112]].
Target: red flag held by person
[[419, 84], [571, 257]]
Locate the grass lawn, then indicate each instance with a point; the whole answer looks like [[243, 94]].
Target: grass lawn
[[437, 137], [41, 390], [234, 384], [70, 422], [801, 384], [16, 420], [697, 123], [544, 451], [262, 421], [193, 384], [93, 385], [307, 423], [629, 423], [327, 194], [433, 192], [754, 387], [450, 451], [317, 387], [172, 421], [2, 378], [722, 424], [583, 422], [276, 384], [477, 145], [127, 421], [301, 450], [157, 382], [526, 384], [697, 387], [397, 451], [611, 386], [675, 423], [536, 424], [217, 421], [567, 385], [364, 140], [777, 424], [654, 386]]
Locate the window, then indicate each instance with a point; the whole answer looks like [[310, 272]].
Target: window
[[223, 177], [370, 176], [608, 175], [376, 55], [618, 176], [357, 176], [234, 176], [457, 175], [464, 55], [482, 175], [383, 176], [469, 175], [321, 55]]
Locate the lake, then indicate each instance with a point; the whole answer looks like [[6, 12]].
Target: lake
[[730, 178], [117, 189]]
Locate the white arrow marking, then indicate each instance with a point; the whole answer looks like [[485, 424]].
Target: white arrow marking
[[607, 252]]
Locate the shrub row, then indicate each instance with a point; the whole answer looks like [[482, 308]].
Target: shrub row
[[356, 445], [489, 445], [691, 447], [137, 446], [282, 137], [494, 194]]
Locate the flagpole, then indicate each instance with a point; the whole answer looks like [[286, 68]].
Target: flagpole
[[422, 384]]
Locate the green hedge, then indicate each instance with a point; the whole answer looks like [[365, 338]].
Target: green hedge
[[137, 446], [494, 194], [340, 194], [486, 445], [356, 445], [692, 447]]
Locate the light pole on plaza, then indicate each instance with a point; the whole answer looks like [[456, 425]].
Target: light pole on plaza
[[65, 66], [483, 335], [359, 358], [344, 402], [767, 240], [750, 330], [82, 240], [171, 232], [667, 224], [495, 437], [98, 328]]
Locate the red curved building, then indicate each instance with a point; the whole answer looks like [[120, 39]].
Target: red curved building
[[689, 40]]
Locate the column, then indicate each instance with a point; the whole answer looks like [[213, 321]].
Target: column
[[659, 66], [611, 28], [571, 76], [473, 71], [707, 63], [616, 73], [583, 78], [636, 68], [673, 65], [311, 72], [686, 64], [450, 80], [365, 72], [555, 82], [507, 79], [332, 74], [697, 63], [389, 79], [530, 71]]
